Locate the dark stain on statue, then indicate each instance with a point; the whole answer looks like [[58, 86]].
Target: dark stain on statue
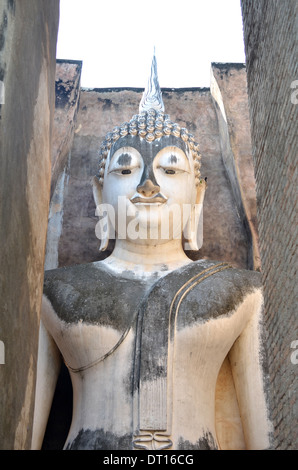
[[110, 301], [100, 440], [124, 159], [164, 267], [206, 442], [229, 289]]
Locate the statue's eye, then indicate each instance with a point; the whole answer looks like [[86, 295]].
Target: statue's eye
[[170, 172], [125, 161]]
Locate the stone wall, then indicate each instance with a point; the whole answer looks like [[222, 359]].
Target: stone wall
[[28, 33], [270, 32]]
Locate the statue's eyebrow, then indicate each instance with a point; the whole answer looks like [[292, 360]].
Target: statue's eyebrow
[[173, 159], [124, 159]]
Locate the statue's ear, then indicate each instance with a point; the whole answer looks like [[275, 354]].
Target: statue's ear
[[201, 188], [194, 228], [97, 191], [102, 230]]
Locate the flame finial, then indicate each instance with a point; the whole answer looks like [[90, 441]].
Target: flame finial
[[152, 96]]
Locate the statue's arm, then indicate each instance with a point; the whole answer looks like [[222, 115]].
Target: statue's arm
[[246, 359], [48, 368]]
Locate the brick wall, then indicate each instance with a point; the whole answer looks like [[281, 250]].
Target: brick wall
[[270, 31]]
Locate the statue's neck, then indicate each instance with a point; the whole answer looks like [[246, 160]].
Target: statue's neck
[[148, 259]]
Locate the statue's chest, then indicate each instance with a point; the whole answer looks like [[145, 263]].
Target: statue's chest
[[95, 315], [108, 303], [86, 346]]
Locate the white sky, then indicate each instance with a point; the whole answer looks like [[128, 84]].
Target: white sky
[[115, 39]]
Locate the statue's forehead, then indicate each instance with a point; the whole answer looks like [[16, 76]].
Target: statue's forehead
[[148, 149]]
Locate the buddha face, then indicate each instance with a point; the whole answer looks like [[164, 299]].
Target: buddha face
[[151, 186]]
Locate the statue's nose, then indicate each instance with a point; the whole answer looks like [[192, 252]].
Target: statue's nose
[[148, 188]]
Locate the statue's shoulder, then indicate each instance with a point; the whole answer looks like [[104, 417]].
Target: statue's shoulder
[[208, 289], [90, 292], [71, 281], [213, 273], [226, 274], [75, 274]]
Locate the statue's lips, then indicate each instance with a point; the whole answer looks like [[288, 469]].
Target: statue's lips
[[158, 199]]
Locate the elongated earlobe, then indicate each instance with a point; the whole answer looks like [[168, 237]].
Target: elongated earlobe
[[194, 229], [102, 229], [97, 191], [104, 238]]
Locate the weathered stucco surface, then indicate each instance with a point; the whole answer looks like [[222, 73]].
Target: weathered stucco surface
[[27, 69]]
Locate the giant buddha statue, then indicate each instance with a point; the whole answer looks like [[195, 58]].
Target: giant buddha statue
[[144, 332]]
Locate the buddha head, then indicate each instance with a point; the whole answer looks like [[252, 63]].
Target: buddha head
[[149, 175]]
